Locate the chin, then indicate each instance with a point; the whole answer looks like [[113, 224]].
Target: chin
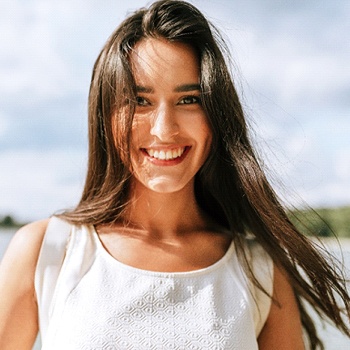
[[164, 185], [164, 188]]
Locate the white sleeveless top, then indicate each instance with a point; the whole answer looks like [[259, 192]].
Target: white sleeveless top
[[88, 300]]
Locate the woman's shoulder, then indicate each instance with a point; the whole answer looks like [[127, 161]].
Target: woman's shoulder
[[17, 268], [33, 231], [258, 262], [17, 291], [23, 251], [27, 241]]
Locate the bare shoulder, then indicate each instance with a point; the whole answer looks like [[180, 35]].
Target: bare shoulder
[[27, 240], [23, 250], [283, 328], [18, 312], [34, 231], [36, 228]]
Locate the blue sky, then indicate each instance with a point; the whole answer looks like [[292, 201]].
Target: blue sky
[[291, 65]]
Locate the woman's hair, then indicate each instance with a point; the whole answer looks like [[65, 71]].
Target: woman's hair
[[231, 186]]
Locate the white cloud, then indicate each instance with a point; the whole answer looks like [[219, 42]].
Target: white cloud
[[3, 125], [34, 184], [342, 166], [291, 72], [295, 56], [32, 64], [47, 48], [319, 175]]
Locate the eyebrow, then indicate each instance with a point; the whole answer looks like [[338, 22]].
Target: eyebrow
[[145, 89], [179, 88], [188, 87]]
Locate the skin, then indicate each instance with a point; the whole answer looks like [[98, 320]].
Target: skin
[[18, 311], [164, 221]]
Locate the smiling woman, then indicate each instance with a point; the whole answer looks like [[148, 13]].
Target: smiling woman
[[171, 136], [178, 241]]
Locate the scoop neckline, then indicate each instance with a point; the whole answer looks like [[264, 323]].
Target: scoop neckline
[[140, 271]]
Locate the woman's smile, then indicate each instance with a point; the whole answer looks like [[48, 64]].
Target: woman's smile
[[166, 156]]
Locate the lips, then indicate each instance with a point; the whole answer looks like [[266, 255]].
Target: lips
[[166, 154]]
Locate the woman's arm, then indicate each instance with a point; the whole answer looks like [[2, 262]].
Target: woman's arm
[[18, 307], [283, 329]]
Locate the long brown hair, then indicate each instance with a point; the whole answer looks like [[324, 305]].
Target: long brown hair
[[243, 199]]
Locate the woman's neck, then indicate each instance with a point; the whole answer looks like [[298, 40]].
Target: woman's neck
[[165, 214]]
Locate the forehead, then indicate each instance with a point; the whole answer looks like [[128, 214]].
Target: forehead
[[164, 61]]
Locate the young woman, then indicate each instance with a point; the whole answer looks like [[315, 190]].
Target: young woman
[[178, 242]]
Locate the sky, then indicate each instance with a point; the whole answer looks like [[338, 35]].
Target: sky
[[291, 65]]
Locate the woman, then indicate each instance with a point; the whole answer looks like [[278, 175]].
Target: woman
[[178, 241]]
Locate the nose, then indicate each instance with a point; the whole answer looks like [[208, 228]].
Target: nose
[[164, 125]]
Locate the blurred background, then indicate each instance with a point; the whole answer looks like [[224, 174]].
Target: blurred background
[[291, 65]]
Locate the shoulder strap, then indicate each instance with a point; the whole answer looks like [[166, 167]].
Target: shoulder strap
[[263, 269], [49, 264]]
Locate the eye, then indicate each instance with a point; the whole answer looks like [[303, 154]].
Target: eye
[[141, 101], [188, 100]]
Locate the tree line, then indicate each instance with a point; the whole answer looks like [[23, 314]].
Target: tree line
[[323, 222], [9, 221]]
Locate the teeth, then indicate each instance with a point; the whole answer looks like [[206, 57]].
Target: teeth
[[166, 154], [169, 155]]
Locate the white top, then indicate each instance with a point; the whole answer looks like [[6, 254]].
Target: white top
[[89, 300]]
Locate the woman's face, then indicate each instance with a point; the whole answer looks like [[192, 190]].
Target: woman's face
[[171, 137]]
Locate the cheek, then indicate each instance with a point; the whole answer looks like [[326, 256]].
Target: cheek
[[207, 141], [139, 137], [206, 134], [120, 131], [206, 130], [208, 146], [139, 133]]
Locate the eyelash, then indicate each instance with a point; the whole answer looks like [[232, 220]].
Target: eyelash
[[193, 100], [186, 100], [141, 101]]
